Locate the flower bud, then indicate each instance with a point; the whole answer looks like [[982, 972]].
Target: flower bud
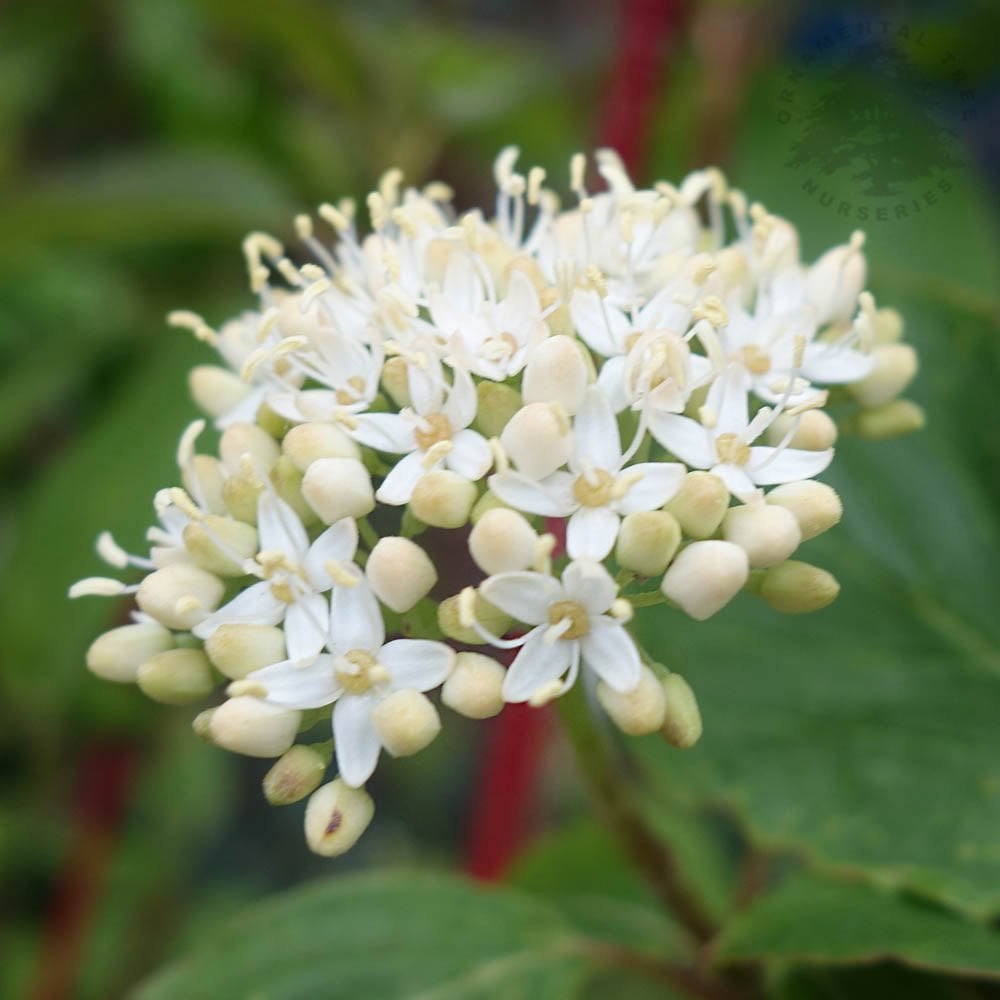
[[487, 502], [682, 720], [396, 381], [700, 504], [538, 439], [216, 390], [286, 478], [296, 774], [895, 367], [118, 654], [795, 588], [250, 726], [338, 487], [406, 722], [705, 577], [815, 431], [306, 443], [248, 439], [502, 541], [203, 478], [179, 596], [220, 544], [768, 533], [899, 416], [816, 506], [556, 373], [240, 492], [497, 403], [888, 326], [474, 687], [639, 711], [238, 649], [835, 281], [200, 724], [336, 816], [443, 499], [647, 541], [488, 615], [400, 573], [176, 677]]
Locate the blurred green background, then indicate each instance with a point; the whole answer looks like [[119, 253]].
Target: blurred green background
[[141, 139]]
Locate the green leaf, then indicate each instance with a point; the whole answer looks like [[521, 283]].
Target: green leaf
[[877, 982], [808, 919], [388, 935]]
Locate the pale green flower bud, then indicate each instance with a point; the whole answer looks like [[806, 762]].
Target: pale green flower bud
[[497, 404], [682, 721], [406, 722], [538, 439], [488, 615], [396, 381], [892, 419], [700, 504], [238, 649], [248, 439], [768, 533], [796, 588], [240, 492], [816, 506], [296, 774], [118, 654], [816, 431], [895, 367], [647, 541], [179, 596], [502, 541], [556, 373], [835, 281], [336, 816], [888, 326], [306, 443], [474, 687], [220, 544], [487, 502], [400, 573], [705, 577], [338, 487], [176, 677], [639, 711], [203, 477], [286, 478], [443, 499], [252, 727], [216, 390], [275, 424], [201, 722]]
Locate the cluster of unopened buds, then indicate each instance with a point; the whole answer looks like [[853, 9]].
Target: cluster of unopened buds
[[456, 453]]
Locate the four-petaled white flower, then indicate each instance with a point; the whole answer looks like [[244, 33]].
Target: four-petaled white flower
[[570, 625]]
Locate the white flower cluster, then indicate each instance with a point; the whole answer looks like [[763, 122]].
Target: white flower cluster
[[601, 393]]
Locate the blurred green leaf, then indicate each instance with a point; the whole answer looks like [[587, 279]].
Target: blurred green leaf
[[877, 982], [811, 920], [386, 935]]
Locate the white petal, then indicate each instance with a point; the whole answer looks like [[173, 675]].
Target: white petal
[[727, 399], [339, 542], [609, 651], [387, 432], [426, 385], [355, 739], [549, 497], [600, 325], [256, 605], [736, 480], [420, 664], [829, 363], [470, 455], [591, 584], [591, 532], [307, 622], [683, 437], [521, 304], [660, 481], [595, 433], [461, 284], [355, 620], [462, 403], [292, 686], [279, 528], [611, 381], [523, 595], [768, 466], [397, 487], [537, 663]]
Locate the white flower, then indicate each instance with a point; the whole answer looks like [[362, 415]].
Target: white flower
[[597, 491], [294, 577], [722, 443], [359, 672], [571, 625]]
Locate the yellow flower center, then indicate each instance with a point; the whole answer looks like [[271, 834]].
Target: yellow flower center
[[732, 450], [576, 613], [353, 392], [594, 488], [438, 429], [357, 672], [756, 361]]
